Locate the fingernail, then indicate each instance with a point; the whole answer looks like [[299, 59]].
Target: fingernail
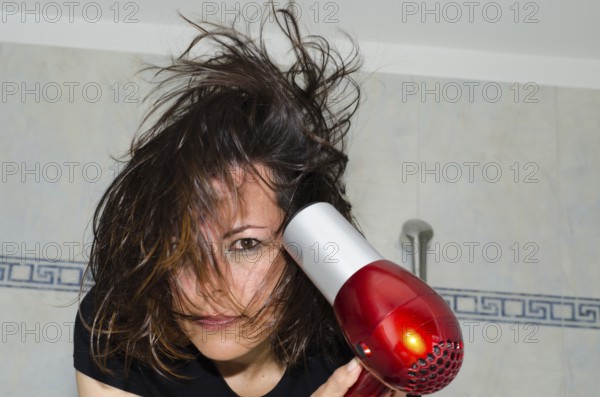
[[352, 365]]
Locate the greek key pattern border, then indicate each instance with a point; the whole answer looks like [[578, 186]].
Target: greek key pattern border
[[42, 275], [510, 307]]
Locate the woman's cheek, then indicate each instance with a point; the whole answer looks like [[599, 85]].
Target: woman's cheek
[[186, 280]]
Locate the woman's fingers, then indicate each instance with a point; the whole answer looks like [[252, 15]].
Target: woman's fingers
[[340, 381], [396, 393]]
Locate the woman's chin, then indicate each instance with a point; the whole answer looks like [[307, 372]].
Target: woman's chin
[[224, 346]]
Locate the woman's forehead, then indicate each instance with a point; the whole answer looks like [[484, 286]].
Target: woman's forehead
[[246, 199], [243, 181]]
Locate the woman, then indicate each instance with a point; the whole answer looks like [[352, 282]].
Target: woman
[[193, 293]]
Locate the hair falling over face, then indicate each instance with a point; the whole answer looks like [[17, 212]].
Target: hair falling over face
[[221, 118]]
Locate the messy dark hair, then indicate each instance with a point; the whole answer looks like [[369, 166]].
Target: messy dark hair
[[233, 107]]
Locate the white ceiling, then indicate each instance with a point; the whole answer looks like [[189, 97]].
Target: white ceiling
[[547, 42]]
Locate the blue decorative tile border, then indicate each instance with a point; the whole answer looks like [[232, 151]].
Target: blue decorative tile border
[[508, 307], [45, 275], [552, 310]]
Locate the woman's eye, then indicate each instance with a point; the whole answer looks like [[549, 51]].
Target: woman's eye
[[244, 244]]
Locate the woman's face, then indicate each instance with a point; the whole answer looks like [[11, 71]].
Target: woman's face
[[250, 265]]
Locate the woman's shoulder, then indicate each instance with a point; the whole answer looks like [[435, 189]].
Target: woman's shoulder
[[83, 357]]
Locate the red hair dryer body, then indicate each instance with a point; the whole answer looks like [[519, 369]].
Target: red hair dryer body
[[404, 333]]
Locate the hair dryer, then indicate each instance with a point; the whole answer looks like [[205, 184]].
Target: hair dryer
[[404, 333]]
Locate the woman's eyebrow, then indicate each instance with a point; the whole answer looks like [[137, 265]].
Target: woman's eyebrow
[[240, 229]]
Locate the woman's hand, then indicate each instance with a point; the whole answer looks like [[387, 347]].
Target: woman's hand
[[343, 378], [340, 381]]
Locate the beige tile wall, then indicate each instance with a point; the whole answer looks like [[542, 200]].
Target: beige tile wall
[[531, 313]]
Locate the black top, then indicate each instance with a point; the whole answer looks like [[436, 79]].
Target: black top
[[205, 378]]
